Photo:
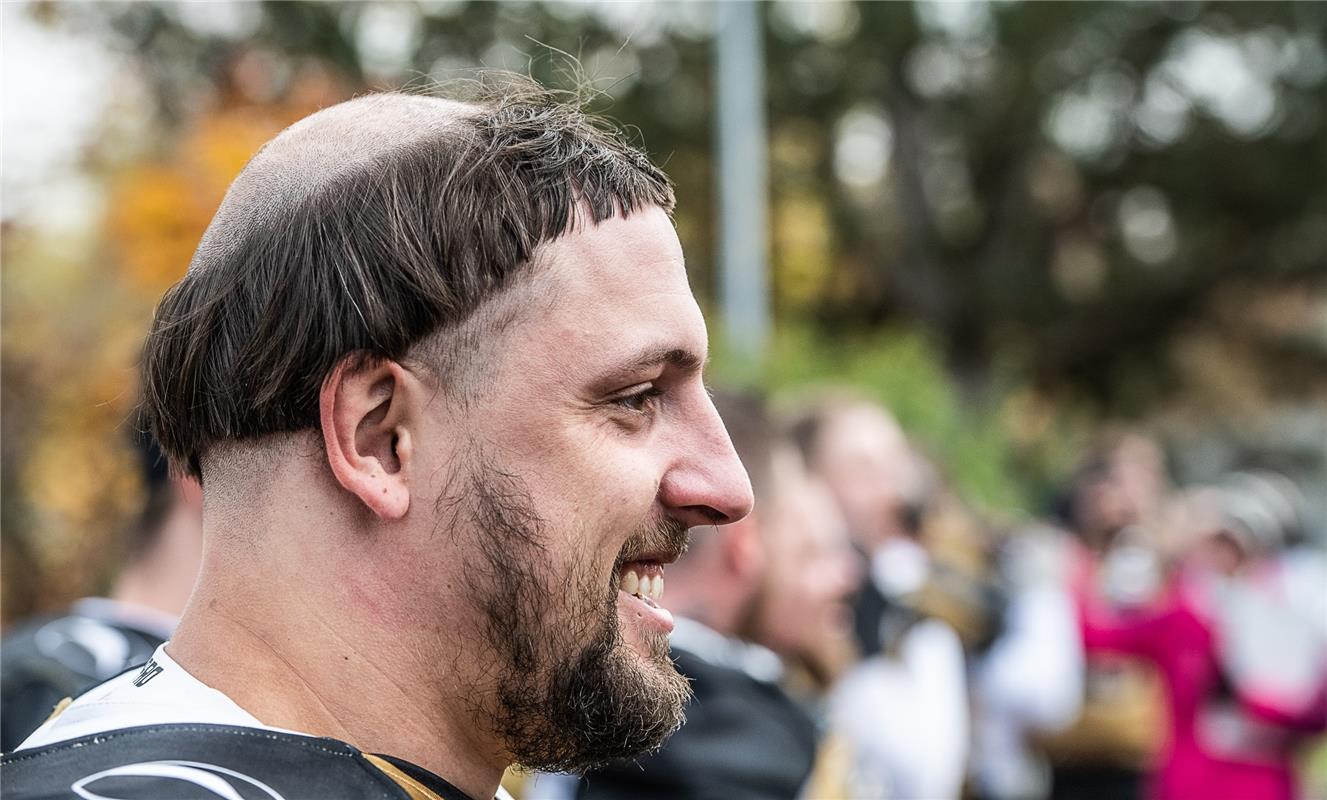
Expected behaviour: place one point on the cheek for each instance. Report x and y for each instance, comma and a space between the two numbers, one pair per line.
807, 594
602, 479
575, 592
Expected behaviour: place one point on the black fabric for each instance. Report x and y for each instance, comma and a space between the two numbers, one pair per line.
744, 739
51, 658
868, 612
881, 622
1096, 783
255, 764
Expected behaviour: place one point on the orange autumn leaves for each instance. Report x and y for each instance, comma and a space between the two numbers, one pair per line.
159, 210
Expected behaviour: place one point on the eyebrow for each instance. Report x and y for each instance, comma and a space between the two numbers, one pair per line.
678, 357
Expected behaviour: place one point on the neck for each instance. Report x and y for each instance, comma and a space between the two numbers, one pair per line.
318, 664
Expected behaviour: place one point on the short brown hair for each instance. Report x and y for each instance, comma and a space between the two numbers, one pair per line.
344, 235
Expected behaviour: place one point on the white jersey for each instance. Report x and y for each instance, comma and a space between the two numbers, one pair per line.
160, 692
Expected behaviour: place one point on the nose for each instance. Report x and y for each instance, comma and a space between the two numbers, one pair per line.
706, 483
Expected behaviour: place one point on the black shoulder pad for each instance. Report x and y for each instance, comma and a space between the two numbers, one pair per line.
194, 762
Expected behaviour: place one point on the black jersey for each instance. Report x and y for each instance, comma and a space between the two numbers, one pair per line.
194, 761
50, 658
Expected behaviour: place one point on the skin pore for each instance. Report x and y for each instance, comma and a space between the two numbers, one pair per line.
351, 576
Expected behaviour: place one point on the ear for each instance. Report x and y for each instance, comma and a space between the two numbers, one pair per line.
367, 411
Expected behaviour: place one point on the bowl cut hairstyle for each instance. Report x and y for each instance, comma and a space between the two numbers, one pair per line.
365, 229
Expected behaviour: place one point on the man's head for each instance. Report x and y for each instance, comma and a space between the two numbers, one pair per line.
378, 227
879, 481
455, 344
1120, 482
1244, 519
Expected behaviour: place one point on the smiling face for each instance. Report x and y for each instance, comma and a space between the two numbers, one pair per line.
585, 455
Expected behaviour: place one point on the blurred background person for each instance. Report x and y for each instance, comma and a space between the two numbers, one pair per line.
1272, 620
882, 488
50, 658
903, 710
1029, 683
1214, 747
1110, 507
803, 611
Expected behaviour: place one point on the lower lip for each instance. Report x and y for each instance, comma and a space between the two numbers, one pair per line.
654, 618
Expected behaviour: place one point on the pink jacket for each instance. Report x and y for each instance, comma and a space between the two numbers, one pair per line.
1216, 747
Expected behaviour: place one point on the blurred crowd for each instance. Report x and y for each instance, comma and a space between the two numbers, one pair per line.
865, 633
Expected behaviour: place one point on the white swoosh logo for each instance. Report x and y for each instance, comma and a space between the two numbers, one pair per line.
205, 776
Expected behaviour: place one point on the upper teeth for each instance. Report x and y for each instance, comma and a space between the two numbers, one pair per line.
642, 585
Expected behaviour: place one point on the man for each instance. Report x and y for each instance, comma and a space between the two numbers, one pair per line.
439, 370
744, 737
1029, 683
50, 658
904, 709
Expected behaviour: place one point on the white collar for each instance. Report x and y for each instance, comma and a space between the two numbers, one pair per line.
899, 566
726, 651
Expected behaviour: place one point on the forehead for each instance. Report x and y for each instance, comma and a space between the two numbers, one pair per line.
862, 433
616, 288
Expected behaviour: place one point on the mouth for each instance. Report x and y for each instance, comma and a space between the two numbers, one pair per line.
640, 588
644, 580
638, 576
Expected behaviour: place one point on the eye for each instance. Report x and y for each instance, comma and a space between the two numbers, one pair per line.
640, 401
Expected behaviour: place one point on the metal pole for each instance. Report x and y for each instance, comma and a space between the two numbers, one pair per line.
742, 178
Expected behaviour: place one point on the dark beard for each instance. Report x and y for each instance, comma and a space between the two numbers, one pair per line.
571, 695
